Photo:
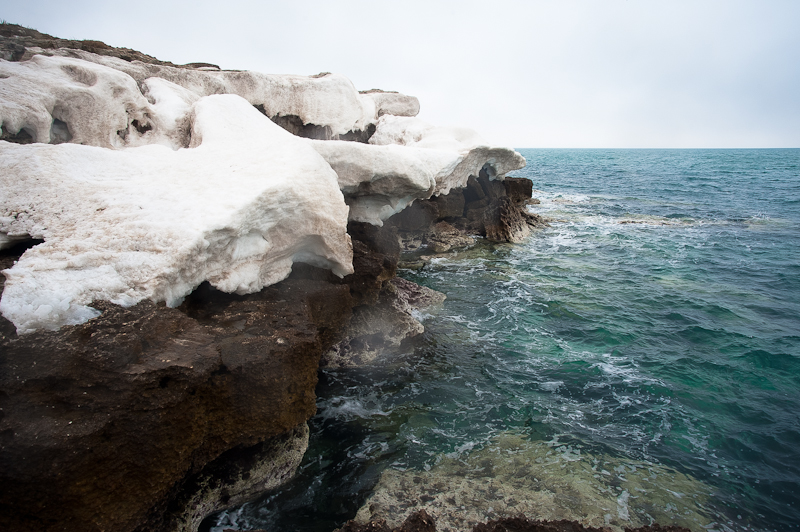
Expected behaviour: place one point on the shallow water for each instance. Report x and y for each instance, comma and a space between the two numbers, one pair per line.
656, 321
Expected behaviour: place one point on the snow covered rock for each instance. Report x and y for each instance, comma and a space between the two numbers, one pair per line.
236, 209
392, 103
407, 159
325, 100
57, 99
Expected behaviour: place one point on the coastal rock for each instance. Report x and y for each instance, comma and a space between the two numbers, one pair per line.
476, 157
553, 481
110, 425
484, 207
422, 522
379, 181
150, 223
504, 222
237, 476
325, 105
380, 328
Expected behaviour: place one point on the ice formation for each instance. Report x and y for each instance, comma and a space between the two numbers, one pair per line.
145, 180
327, 100
236, 209
407, 159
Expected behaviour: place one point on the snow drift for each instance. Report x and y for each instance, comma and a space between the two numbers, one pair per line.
144, 180
236, 209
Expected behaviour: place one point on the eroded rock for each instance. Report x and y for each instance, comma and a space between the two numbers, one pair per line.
107, 425
380, 328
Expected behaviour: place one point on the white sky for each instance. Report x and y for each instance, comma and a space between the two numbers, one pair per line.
566, 73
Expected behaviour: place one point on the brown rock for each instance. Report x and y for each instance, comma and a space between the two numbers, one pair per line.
418, 521
416, 217
105, 424
504, 222
14, 39
493, 189
450, 205
376, 252
473, 191
382, 327
445, 237
518, 189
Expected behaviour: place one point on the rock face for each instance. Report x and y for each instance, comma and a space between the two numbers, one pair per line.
382, 327
106, 424
485, 207
407, 160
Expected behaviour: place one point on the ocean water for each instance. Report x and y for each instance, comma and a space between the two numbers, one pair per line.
639, 359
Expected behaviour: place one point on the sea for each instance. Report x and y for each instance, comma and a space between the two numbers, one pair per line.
639, 359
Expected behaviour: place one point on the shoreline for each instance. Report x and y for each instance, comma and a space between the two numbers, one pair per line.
151, 417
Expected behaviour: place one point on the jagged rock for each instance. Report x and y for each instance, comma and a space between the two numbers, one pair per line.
238, 475
378, 329
14, 39
108, 425
375, 255
503, 221
418, 521
518, 189
150, 223
421, 521
450, 205
417, 218
380, 181
445, 237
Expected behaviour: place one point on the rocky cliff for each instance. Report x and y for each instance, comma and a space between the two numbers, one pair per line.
182, 246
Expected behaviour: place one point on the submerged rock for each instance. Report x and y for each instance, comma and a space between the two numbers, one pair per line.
549, 480
422, 522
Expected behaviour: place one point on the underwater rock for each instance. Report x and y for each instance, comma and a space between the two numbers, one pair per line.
513, 476
421, 521
418, 521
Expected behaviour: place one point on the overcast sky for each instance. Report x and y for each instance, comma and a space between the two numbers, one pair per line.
589, 73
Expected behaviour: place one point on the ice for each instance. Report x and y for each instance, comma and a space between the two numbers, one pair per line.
407, 159
236, 209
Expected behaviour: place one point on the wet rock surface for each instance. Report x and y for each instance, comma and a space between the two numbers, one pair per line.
381, 328
421, 521
549, 480
495, 210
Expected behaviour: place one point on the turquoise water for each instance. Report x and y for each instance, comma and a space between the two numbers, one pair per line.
657, 319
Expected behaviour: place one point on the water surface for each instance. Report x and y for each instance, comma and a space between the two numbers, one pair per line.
657, 321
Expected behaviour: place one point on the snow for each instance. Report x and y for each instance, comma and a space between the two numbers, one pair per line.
325, 100
408, 159
237, 208
146, 180
95, 102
